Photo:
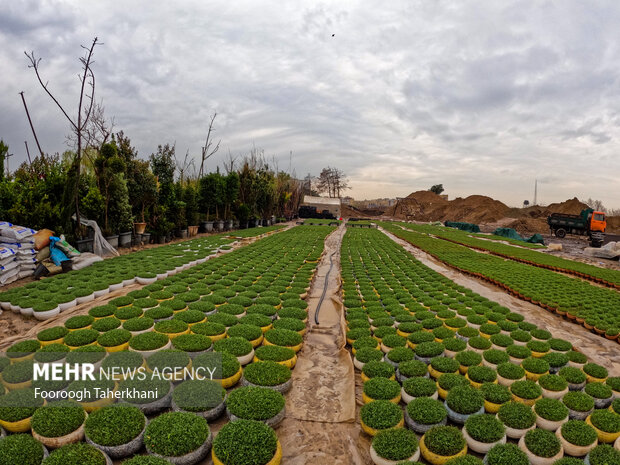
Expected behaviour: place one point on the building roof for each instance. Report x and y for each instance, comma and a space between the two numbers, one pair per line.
321, 200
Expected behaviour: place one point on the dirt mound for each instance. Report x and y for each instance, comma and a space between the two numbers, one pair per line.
426, 197
613, 224
529, 226
571, 207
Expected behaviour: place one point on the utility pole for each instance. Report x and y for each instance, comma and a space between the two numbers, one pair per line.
535, 192
28, 152
31, 126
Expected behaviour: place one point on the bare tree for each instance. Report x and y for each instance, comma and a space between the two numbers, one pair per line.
333, 181
596, 205
84, 110
184, 167
207, 150
229, 164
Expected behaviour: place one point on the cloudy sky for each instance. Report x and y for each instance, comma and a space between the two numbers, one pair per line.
482, 96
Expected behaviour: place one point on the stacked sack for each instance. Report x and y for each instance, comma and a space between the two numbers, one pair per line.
18, 256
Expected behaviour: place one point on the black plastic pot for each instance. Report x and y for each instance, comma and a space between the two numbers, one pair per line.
112, 240
84, 245
124, 239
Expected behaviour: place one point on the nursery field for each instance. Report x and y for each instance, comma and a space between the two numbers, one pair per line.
594, 307
452, 377
444, 374
243, 309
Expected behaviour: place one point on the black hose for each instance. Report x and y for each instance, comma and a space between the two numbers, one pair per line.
318, 307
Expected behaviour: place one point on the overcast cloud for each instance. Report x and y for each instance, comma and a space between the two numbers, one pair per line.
482, 96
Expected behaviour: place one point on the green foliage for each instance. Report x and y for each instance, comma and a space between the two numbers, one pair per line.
148, 341
606, 421
255, 403
79, 453
176, 433
578, 433
246, 442
526, 389
484, 428
381, 414
516, 415
20, 449
58, 419
506, 454
465, 400
395, 444
114, 425
542, 443
444, 440
551, 409
578, 401
198, 395
419, 387
381, 388
266, 373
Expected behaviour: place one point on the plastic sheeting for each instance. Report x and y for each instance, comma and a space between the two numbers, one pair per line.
470, 227
610, 250
512, 234
101, 247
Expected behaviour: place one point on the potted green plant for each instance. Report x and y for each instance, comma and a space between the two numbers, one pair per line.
267, 374
442, 443
601, 393
483, 431
575, 378
411, 369
393, 446
381, 389
256, 403
557, 361
479, 375
115, 340
149, 343
237, 346
117, 430
182, 438
80, 452
139, 325
426, 351
577, 438
518, 418
58, 424
518, 353
603, 454
606, 425
466, 359
21, 449
448, 381
508, 373
375, 369
53, 335
553, 386
287, 357
493, 357
424, 413
614, 383
542, 447
380, 415
576, 359
579, 404
148, 403
506, 454
535, 367
462, 401
495, 395
595, 373
526, 392
415, 387
550, 414
246, 441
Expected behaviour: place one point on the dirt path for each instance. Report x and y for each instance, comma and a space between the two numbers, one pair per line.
597, 348
320, 426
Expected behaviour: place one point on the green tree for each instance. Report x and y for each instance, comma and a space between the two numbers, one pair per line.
231, 192
437, 189
109, 170
4, 151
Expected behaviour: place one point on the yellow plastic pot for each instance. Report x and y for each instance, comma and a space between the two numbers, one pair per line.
592, 379
290, 363
368, 399
55, 341
539, 354
373, 432
296, 348
99, 403
437, 459
231, 380
217, 337
256, 342
602, 435
529, 402
20, 426
277, 458
491, 407
264, 329
118, 348
366, 378
22, 359
17, 386
173, 335
534, 376
442, 392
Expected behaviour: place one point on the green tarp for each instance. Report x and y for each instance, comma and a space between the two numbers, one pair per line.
512, 234
470, 227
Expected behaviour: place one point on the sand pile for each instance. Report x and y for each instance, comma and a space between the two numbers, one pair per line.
529, 226
570, 207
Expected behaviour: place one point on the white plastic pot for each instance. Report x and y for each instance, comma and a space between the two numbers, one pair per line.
86, 298
572, 449
481, 447
536, 460
553, 394
47, 314
381, 461
549, 425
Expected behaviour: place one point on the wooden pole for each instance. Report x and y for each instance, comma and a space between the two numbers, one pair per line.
31, 126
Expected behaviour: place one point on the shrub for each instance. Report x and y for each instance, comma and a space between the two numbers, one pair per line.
171, 326
598, 390
413, 368
266, 373
198, 395
102, 311
378, 369
613, 382
79, 321
495, 393
426, 411
495, 356
419, 387
542, 443
445, 364
255, 403
606, 421
572, 375
399, 355
248, 332
526, 389
81, 337
538, 346
615, 405
516, 415
126, 313
79, 453
148, 341
510, 371
381, 389
556, 359
52, 334
454, 345
283, 337
57, 419
604, 454
106, 324
429, 349
381, 414
484, 428
292, 324
114, 337
520, 352
520, 335
158, 313
560, 345
20, 449
138, 324
577, 357
468, 358
449, 380
298, 313
189, 316
541, 334
578, 401
578, 433
245, 442
551, 409
552, 383
236, 346
595, 370
191, 342
114, 425
444, 440
481, 374
395, 444
501, 340
506, 454
535, 365
465, 400
419, 337
276, 353
176, 433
